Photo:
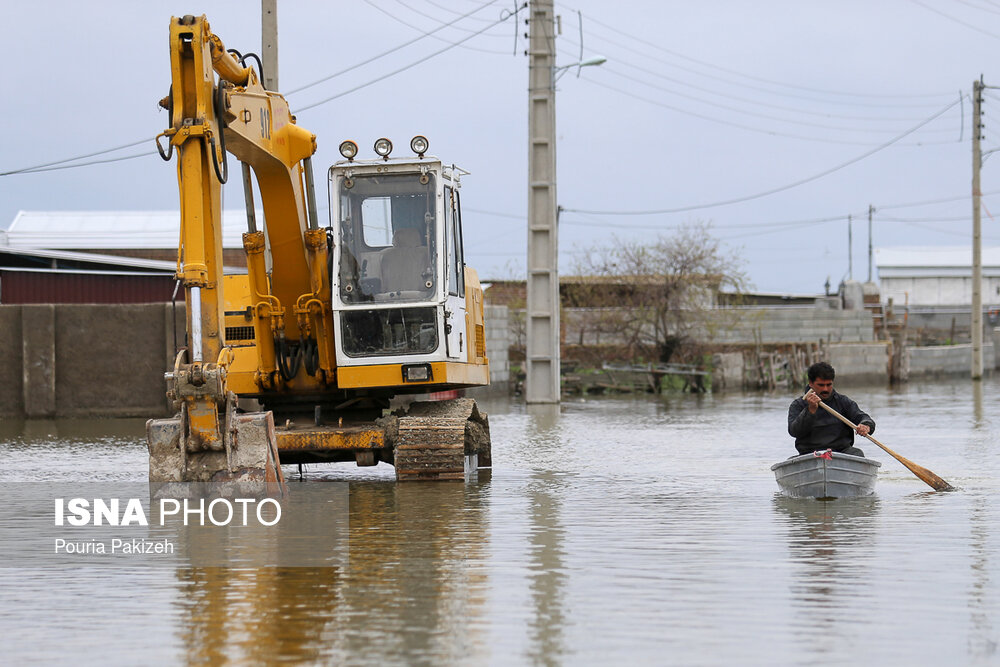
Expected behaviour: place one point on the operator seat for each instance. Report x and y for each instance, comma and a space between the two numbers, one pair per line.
404, 262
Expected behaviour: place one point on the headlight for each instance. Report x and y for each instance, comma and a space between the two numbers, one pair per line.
348, 149
419, 145
417, 373
383, 147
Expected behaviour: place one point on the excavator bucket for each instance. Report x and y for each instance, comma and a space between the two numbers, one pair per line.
249, 454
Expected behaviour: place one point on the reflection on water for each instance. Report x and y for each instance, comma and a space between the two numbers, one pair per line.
547, 558
408, 580
412, 555
977, 403
635, 530
246, 616
984, 639
830, 544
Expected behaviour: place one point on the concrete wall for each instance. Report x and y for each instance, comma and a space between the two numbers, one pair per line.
996, 347
947, 359
498, 346
84, 360
102, 360
860, 363
806, 324
940, 323
11, 362
727, 371
855, 363
777, 324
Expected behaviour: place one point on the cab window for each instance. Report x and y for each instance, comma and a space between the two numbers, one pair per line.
453, 230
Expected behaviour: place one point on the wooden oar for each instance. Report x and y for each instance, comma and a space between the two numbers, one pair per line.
926, 475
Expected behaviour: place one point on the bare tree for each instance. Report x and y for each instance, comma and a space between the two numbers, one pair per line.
653, 297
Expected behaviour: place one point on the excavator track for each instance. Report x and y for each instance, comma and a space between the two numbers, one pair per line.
442, 440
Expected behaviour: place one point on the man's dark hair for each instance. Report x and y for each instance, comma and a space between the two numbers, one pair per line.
821, 370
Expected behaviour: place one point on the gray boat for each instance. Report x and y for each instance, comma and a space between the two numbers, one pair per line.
826, 475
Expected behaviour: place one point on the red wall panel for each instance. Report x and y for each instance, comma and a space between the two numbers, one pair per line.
20, 287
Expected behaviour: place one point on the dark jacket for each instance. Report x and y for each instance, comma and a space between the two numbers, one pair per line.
815, 432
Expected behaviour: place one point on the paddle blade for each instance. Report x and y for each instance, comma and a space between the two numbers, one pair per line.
927, 476
924, 474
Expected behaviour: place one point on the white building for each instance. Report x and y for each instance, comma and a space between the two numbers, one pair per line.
936, 276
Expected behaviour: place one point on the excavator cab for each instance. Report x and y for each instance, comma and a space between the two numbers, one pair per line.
399, 283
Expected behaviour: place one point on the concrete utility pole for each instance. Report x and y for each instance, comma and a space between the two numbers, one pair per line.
871, 210
977, 243
542, 353
850, 247
269, 43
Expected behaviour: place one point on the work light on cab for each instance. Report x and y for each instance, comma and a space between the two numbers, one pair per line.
383, 147
348, 149
419, 145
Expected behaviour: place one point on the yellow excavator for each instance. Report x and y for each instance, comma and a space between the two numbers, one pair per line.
300, 359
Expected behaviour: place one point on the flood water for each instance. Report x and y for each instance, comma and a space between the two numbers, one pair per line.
638, 530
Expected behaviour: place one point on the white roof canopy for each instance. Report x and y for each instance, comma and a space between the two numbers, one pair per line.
95, 230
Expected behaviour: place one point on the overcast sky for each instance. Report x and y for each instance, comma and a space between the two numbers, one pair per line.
699, 103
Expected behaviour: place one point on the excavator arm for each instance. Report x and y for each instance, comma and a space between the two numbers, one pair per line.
289, 310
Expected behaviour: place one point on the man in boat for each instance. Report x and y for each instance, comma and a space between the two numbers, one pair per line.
815, 429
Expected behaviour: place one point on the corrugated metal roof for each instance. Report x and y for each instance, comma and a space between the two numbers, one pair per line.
110, 229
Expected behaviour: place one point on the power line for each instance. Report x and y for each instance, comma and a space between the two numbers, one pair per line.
755, 88
950, 232
889, 218
495, 213
789, 186
758, 225
975, 6
703, 63
54, 166
830, 218
748, 112
959, 21
773, 133
93, 162
408, 6
448, 9
425, 15
392, 50
727, 95
928, 202
42, 167
405, 67
783, 229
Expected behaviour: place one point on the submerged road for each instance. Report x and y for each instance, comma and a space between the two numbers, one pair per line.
643, 530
